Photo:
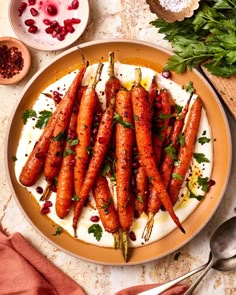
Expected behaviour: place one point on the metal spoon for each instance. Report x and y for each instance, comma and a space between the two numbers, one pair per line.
223, 246
225, 234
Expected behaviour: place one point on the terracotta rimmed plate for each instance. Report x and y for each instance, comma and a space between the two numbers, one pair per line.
40, 39
11, 42
137, 53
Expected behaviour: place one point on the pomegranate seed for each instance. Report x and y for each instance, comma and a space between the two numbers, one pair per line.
45, 210
40, 155
68, 22
21, 8
69, 7
47, 204
60, 37
54, 188
76, 20
64, 31
70, 29
58, 29
54, 34
74, 4
33, 11
39, 189
49, 30
33, 29
132, 236
29, 22
94, 218
51, 9
72, 162
166, 74
32, 2
54, 23
47, 22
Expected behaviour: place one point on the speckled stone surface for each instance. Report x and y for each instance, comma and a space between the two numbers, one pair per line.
113, 19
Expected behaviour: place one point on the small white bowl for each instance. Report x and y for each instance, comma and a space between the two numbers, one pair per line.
40, 39
14, 45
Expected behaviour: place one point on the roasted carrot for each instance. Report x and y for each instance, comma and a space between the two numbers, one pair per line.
106, 208
185, 152
65, 185
36, 159
141, 191
124, 146
99, 150
170, 152
84, 125
161, 119
98, 155
112, 85
143, 133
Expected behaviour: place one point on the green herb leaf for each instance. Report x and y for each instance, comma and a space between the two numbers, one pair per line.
140, 199
200, 158
192, 195
14, 158
202, 140
96, 230
177, 176
119, 119
27, 115
68, 151
58, 231
208, 38
73, 141
203, 182
181, 139
44, 117
75, 198
171, 151
60, 136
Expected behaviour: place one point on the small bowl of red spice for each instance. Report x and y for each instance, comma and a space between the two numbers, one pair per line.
48, 24
15, 60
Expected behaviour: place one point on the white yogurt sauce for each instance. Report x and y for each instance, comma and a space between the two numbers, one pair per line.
163, 224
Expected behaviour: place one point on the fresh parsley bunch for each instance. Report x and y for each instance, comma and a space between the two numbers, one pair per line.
208, 38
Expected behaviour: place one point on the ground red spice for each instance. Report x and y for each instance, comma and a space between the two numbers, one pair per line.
11, 61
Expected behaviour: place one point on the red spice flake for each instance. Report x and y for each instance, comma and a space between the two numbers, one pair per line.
11, 61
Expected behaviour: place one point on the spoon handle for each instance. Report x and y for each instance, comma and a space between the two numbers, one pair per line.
198, 280
166, 286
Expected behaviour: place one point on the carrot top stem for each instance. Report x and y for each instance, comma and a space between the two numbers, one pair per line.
97, 76
138, 77
111, 72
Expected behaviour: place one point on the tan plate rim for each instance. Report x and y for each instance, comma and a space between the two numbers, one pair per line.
26, 56
109, 256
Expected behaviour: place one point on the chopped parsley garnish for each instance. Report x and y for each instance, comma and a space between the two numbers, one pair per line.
96, 230
43, 118
73, 141
68, 151
27, 115
202, 140
177, 176
171, 151
60, 136
58, 231
119, 119
200, 158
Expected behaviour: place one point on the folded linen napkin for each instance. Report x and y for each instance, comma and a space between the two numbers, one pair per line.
24, 270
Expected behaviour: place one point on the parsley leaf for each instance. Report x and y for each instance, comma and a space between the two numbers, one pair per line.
28, 114
208, 38
58, 231
96, 230
43, 119
200, 158
202, 140
119, 119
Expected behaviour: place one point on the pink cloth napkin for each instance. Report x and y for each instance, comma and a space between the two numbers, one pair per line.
23, 270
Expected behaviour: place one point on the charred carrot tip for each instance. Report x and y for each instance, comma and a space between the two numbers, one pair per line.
182, 229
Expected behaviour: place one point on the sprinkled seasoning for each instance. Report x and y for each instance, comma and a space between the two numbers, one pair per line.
11, 61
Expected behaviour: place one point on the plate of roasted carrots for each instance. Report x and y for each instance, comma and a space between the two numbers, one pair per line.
112, 158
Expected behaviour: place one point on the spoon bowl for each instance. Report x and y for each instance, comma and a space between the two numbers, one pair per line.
222, 257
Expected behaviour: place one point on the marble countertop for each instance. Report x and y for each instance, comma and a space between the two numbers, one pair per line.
113, 19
